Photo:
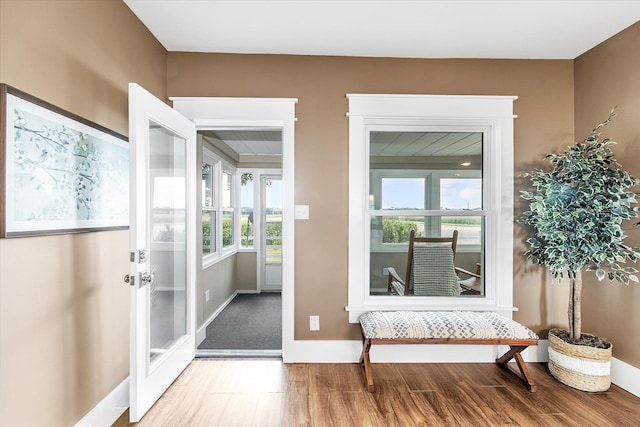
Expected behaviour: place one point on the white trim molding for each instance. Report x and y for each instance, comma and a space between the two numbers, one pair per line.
268, 113
201, 333
109, 409
349, 352
491, 115
625, 376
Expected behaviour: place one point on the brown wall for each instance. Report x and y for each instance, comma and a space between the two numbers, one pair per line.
64, 309
220, 280
545, 122
247, 271
607, 76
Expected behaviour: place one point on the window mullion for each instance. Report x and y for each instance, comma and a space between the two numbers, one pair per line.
427, 212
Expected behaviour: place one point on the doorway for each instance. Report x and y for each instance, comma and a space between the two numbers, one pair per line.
269, 113
243, 303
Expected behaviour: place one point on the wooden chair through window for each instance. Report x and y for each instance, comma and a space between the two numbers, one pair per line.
430, 268
472, 285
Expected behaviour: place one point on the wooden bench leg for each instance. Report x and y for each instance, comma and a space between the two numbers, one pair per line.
514, 352
365, 362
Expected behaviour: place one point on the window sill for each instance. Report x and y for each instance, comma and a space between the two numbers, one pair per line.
211, 260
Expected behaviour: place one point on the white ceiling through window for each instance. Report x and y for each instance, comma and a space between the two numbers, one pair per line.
432, 144
251, 142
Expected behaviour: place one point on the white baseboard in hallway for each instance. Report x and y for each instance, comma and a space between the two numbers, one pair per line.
201, 333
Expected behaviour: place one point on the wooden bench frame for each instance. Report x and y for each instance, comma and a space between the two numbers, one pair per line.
516, 346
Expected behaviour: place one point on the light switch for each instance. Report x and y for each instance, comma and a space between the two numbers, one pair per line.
301, 212
314, 323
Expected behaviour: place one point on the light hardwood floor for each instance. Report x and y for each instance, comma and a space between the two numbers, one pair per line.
266, 392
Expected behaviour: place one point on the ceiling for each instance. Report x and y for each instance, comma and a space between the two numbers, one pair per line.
536, 29
524, 29
425, 144
419, 150
250, 142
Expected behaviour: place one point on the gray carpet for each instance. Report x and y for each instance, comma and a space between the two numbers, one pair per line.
249, 322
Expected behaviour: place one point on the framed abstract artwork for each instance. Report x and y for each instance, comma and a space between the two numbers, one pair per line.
59, 173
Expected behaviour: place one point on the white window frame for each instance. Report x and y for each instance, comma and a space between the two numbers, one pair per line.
231, 171
256, 203
209, 158
219, 166
432, 179
491, 115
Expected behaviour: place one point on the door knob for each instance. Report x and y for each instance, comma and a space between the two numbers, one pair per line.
131, 280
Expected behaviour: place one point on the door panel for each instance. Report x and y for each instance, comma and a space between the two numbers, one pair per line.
162, 153
272, 233
167, 172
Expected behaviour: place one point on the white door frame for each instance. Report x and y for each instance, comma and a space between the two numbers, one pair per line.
276, 113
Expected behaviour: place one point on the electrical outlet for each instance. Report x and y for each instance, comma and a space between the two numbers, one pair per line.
301, 212
314, 323
206, 296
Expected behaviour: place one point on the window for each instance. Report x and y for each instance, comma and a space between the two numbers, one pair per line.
462, 194
431, 202
273, 219
432, 164
429, 183
227, 210
247, 226
168, 209
208, 209
218, 207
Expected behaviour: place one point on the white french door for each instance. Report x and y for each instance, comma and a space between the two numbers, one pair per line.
162, 229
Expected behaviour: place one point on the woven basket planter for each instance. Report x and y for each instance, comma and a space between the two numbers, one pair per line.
579, 366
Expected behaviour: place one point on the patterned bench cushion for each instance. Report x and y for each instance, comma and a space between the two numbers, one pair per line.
441, 324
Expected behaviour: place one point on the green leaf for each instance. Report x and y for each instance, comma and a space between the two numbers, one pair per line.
600, 274
534, 242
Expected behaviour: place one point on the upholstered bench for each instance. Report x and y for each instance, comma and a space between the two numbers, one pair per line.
446, 327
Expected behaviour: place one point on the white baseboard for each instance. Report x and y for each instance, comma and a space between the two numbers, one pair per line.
306, 351
107, 412
201, 333
625, 376
451, 353
349, 352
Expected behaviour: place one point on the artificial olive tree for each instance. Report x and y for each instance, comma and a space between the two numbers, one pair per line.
576, 211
